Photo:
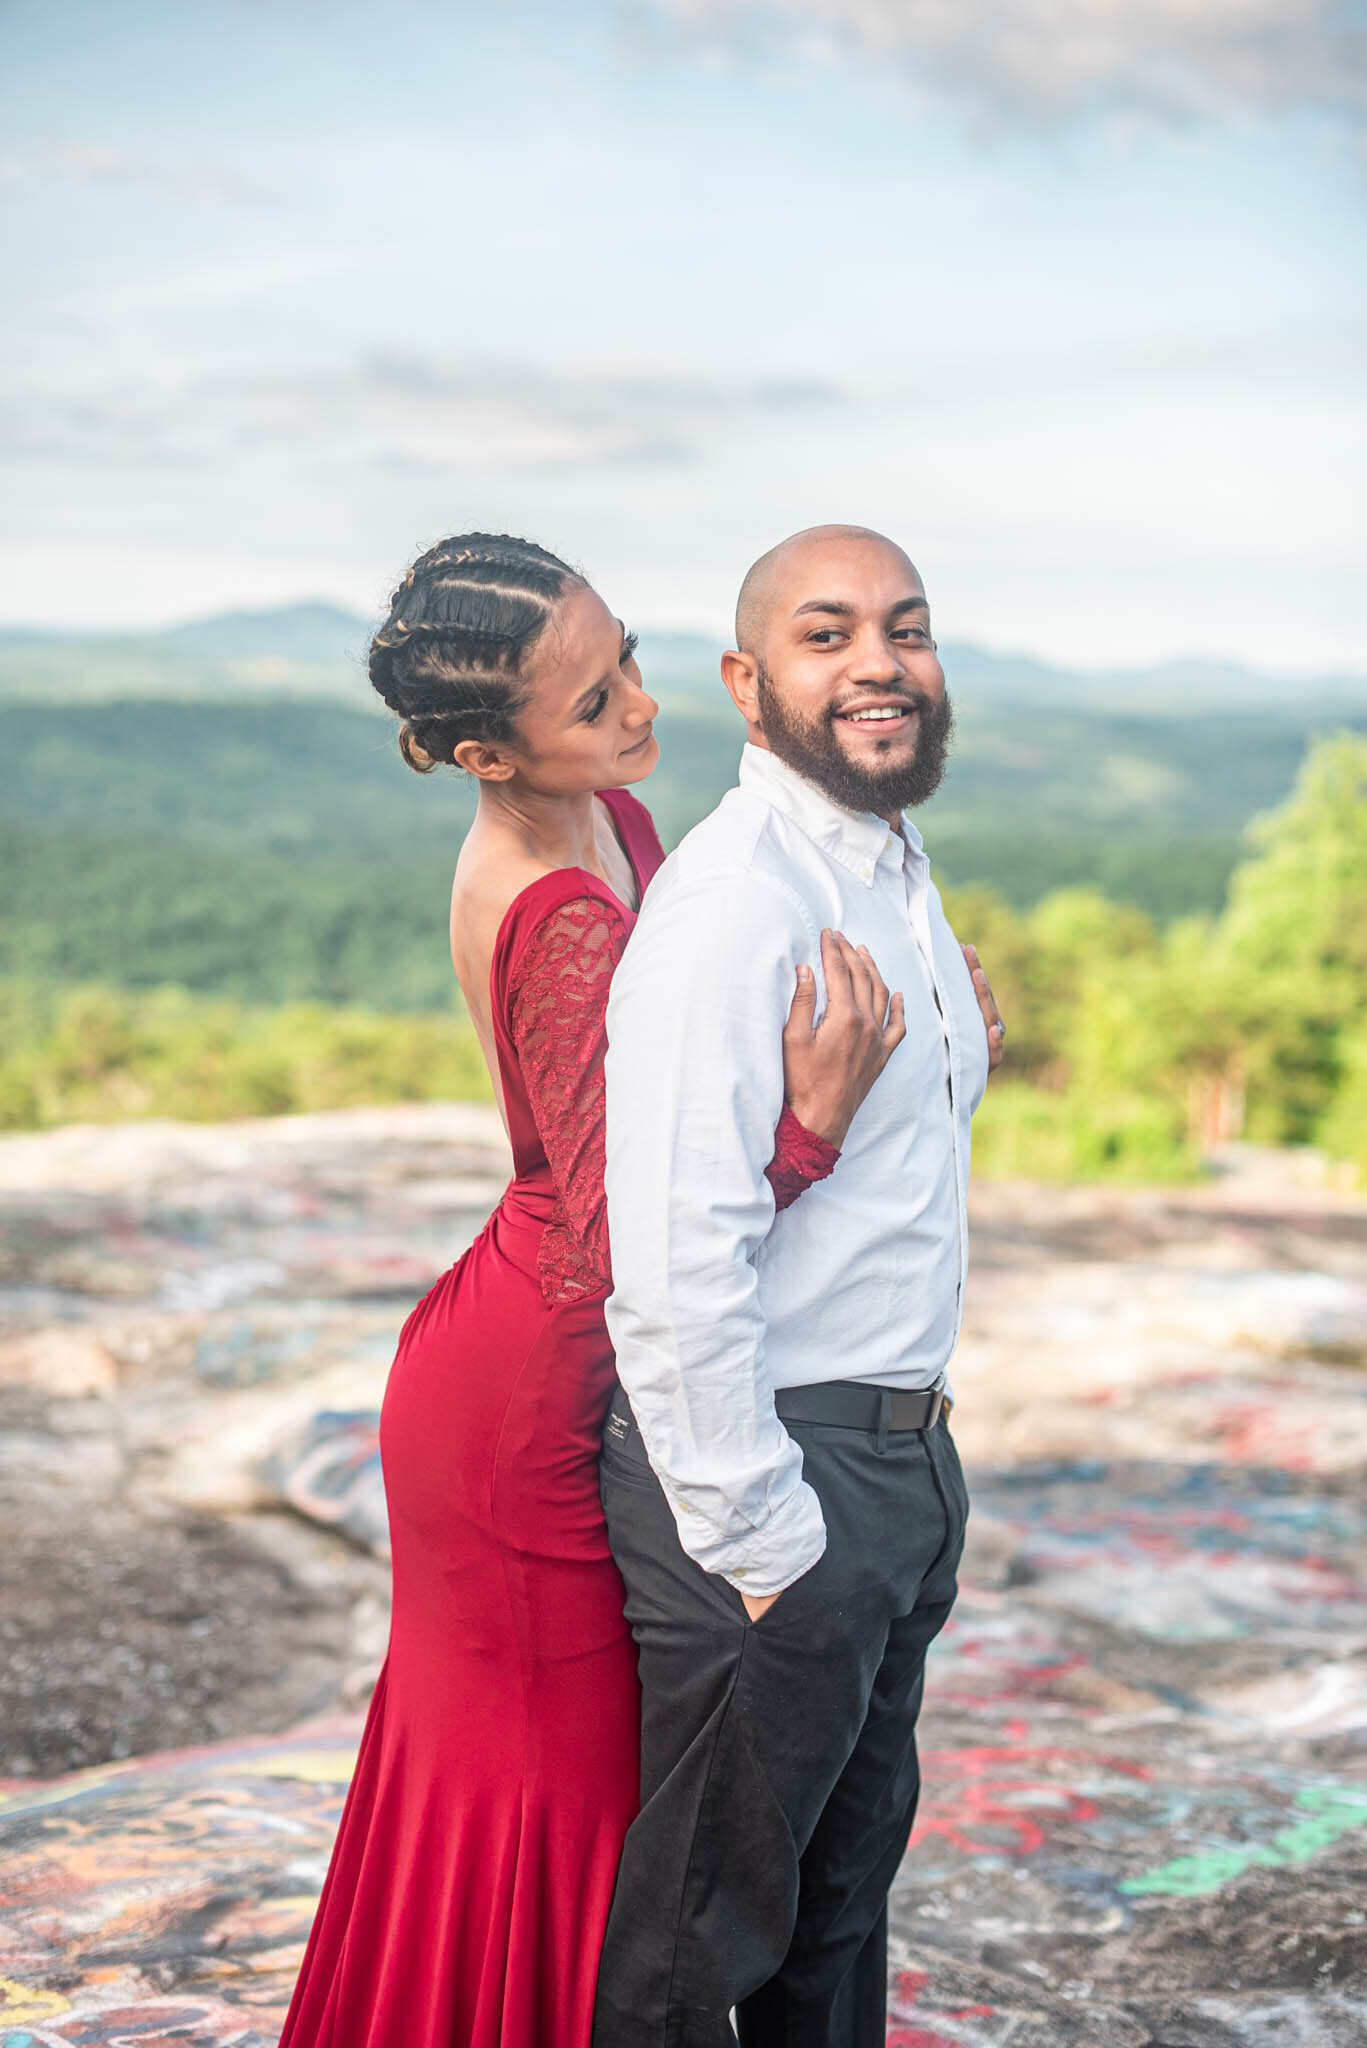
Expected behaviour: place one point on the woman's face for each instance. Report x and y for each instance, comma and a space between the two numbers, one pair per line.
586, 722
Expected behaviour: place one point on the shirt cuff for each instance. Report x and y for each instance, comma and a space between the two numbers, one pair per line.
765, 1560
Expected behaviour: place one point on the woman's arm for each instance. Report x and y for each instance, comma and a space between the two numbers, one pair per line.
557, 1014
828, 1068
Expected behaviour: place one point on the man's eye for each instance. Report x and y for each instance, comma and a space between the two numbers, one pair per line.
597, 708
823, 636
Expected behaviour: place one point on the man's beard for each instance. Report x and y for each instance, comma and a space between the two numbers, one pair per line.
813, 750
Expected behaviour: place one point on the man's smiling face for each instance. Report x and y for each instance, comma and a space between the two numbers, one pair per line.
838, 673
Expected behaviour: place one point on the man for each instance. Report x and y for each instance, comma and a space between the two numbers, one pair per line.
782, 1493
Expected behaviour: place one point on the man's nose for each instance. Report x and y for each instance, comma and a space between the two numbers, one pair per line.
876, 660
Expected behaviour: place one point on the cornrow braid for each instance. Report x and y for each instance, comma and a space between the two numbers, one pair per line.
449, 657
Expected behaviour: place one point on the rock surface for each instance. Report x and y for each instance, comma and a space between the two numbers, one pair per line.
1145, 1815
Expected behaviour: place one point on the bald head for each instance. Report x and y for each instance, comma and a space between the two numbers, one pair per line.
793, 565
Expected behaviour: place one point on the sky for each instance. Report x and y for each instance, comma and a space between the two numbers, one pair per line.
1068, 296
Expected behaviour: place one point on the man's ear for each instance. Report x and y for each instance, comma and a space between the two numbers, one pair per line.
739, 673
490, 764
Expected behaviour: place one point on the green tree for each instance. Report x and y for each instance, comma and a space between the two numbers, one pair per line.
1293, 942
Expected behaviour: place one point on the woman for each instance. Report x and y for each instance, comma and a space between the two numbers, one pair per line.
497, 1775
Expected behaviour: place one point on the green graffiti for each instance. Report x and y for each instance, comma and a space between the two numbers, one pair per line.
1330, 1810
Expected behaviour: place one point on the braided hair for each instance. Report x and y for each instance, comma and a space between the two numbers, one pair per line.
448, 658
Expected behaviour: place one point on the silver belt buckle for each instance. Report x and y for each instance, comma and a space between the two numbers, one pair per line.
936, 1405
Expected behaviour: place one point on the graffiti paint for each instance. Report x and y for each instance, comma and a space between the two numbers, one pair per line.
330, 1472
170, 1898
156, 2023
1332, 1812
25, 2002
1001, 1799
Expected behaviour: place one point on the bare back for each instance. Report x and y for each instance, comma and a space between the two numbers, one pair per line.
493, 869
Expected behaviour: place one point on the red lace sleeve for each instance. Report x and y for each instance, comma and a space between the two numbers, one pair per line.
558, 1000
800, 1157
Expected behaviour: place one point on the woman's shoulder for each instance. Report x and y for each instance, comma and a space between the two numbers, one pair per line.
558, 912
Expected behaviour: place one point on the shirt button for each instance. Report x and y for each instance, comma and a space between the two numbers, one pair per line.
738, 1572
684, 1508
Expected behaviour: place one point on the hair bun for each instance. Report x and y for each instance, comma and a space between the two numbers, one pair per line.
413, 751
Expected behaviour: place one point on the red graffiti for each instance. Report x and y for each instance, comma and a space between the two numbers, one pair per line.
992, 1812
1256, 1432
906, 1995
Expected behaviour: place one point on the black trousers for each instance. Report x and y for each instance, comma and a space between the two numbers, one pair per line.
779, 1774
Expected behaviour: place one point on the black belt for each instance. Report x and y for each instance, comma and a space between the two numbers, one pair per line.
849, 1404
842, 1404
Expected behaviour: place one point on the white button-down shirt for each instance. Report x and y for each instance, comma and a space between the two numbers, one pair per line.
716, 1301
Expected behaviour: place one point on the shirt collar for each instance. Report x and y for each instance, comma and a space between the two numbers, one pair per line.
857, 839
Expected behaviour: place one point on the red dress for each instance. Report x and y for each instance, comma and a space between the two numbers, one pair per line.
498, 1772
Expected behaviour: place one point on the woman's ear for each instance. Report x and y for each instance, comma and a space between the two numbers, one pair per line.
489, 764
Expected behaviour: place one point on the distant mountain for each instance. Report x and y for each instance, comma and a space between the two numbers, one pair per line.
296, 651
317, 649
314, 632
1170, 689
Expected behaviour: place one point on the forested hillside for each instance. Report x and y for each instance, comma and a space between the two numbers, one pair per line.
1131, 1048
224, 806
223, 884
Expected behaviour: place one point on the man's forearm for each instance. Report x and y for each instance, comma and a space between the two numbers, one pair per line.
705, 1409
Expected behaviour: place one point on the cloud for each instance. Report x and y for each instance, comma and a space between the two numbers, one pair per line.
393, 411
1037, 59
227, 279
205, 185
399, 411
401, 414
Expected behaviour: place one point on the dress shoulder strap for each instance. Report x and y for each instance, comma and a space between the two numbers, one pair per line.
636, 830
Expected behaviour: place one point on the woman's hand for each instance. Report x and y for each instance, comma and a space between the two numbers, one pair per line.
829, 1068
987, 1003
